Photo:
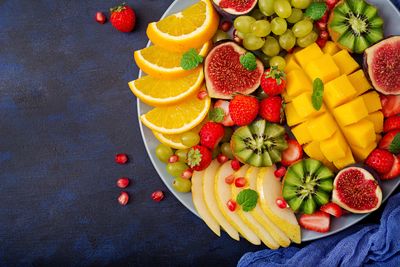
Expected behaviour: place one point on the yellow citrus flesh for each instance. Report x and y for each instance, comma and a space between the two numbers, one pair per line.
187, 29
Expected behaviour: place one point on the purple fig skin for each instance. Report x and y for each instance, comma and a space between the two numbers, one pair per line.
231, 16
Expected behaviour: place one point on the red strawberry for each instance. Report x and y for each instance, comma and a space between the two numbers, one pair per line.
380, 160
395, 170
390, 105
273, 81
224, 105
391, 123
332, 209
211, 134
387, 139
271, 109
318, 221
292, 153
243, 109
123, 18
199, 157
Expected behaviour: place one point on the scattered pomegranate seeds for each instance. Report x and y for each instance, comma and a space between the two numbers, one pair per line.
240, 182
202, 94
231, 204
229, 179
222, 158
281, 203
121, 158
226, 26
321, 42
100, 17
187, 174
279, 173
157, 196
235, 164
123, 198
321, 25
173, 159
123, 182
324, 35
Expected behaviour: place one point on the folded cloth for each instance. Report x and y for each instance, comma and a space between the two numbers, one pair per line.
361, 245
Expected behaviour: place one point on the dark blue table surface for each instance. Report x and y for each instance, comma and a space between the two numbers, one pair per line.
65, 110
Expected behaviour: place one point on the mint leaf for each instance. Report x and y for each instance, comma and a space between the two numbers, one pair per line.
191, 59
248, 61
318, 93
316, 11
394, 146
216, 114
247, 199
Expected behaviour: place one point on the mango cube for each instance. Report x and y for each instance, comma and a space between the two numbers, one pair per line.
330, 48
360, 134
359, 82
351, 112
360, 154
323, 67
345, 161
335, 147
306, 55
301, 133
322, 127
338, 91
377, 119
345, 62
372, 101
303, 106
292, 118
313, 150
297, 83
291, 63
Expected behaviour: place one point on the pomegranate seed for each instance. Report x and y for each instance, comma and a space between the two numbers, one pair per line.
229, 179
321, 42
121, 158
222, 158
235, 164
324, 17
226, 26
100, 17
123, 182
123, 198
279, 173
173, 159
331, 3
187, 174
202, 94
281, 203
324, 35
321, 25
240, 182
231, 204
157, 196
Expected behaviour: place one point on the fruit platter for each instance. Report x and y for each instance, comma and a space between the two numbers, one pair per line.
276, 121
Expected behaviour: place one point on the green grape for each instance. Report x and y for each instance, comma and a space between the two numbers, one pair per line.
228, 131
297, 15
240, 34
176, 168
302, 28
287, 40
226, 150
163, 152
308, 39
243, 23
182, 185
282, 8
302, 4
182, 154
271, 47
190, 139
220, 35
256, 13
261, 28
252, 42
278, 26
278, 61
266, 7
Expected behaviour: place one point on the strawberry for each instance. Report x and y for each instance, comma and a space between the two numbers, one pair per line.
292, 153
387, 139
123, 18
199, 157
380, 160
332, 209
318, 221
243, 109
273, 81
394, 171
211, 134
391, 123
271, 109
390, 105
224, 105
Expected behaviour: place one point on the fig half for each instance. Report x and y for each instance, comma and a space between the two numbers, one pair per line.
233, 8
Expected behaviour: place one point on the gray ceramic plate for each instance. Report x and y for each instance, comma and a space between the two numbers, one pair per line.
391, 17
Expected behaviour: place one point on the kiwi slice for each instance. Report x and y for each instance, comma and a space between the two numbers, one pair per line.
307, 185
355, 25
259, 144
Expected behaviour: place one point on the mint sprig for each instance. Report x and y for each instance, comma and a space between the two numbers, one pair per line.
247, 199
248, 61
316, 11
216, 115
394, 146
191, 59
318, 93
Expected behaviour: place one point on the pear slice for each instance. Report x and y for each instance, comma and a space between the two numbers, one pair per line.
210, 200
247, 216
258, 214
269, 189
200, 205
223, 194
